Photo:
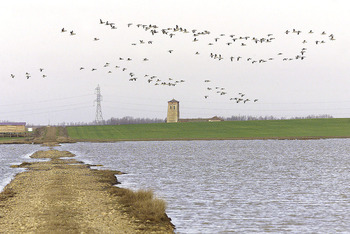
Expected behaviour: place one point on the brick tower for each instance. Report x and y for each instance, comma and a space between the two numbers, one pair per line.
173, 111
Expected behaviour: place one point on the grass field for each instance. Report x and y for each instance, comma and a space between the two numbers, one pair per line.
10, 138
306, 128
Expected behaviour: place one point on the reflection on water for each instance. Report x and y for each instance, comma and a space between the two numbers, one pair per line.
242, 186
228, 186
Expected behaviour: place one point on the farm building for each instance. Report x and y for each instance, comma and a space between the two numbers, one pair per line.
213, 119
12, 128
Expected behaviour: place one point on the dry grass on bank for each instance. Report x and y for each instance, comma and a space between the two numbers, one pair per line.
142, 204
7, 193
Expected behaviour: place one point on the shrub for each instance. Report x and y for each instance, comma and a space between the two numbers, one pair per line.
143, 205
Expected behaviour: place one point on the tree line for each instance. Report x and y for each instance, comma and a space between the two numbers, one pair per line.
132, 120
270, 117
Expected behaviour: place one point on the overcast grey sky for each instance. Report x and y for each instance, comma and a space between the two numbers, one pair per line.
31, 39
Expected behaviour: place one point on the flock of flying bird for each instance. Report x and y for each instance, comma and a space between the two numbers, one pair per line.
229, 40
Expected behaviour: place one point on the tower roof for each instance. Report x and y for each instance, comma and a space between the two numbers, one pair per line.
173, 100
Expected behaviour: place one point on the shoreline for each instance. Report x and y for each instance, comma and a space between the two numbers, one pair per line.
217, 139
66, 195
24, 141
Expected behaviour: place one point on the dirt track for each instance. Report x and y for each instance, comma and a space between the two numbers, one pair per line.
66, 196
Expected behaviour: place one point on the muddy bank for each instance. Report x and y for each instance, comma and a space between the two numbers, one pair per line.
63, 195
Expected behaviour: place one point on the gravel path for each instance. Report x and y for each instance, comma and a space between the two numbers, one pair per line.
65, 196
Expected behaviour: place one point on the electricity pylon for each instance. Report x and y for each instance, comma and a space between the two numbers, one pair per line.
98, 118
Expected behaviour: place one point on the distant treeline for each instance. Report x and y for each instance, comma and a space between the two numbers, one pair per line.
116, 121
249, 117
132, 120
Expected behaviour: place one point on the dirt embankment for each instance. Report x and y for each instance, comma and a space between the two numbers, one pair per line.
49, 135
67, 196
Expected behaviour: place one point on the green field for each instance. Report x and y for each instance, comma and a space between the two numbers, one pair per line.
10, 138
261, 129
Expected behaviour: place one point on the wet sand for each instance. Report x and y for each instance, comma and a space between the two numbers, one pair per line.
63, 195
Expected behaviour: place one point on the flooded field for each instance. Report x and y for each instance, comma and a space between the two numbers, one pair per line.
237, 186
228, 186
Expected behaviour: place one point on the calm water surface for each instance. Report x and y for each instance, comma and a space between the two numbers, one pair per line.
237, 186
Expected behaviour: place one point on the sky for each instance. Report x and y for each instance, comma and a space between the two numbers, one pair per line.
213, 53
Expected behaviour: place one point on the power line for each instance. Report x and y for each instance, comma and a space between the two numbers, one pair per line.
226, 102
47, 100
48, 111
22, 111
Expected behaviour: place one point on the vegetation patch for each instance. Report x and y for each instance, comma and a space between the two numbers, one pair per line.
22, 165
10, 138
142, 205
255, 129
6, 194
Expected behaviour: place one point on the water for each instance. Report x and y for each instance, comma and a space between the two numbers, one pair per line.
231, 186
14, 155
238, 186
